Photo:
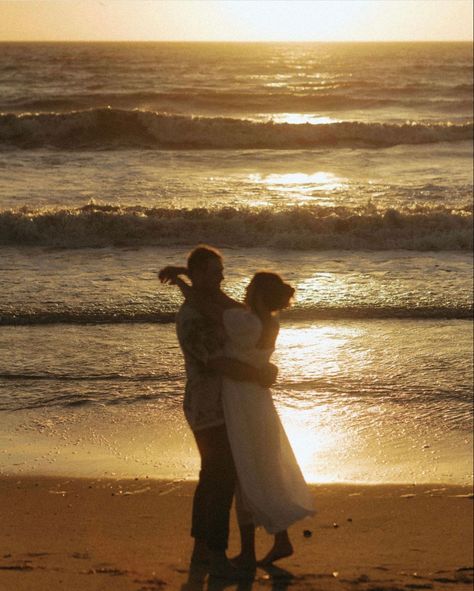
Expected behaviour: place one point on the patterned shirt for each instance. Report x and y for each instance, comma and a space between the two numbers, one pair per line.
200, 340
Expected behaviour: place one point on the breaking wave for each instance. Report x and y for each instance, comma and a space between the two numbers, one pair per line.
115, 128
311, 227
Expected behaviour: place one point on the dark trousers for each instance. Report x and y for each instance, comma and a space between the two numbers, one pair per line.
215, 489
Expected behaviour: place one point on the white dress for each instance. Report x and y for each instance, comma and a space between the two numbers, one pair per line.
272, 487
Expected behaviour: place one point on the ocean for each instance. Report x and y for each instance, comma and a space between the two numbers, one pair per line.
345, 167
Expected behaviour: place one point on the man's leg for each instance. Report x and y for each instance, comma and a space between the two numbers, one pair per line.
199, 516
221, 490
200, 505
247, 557
213, 496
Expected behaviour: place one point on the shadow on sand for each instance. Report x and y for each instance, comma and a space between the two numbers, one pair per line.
275, 579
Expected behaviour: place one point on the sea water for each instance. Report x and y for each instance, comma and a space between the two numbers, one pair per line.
347, 168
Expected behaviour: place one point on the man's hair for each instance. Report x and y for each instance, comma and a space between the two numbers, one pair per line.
199, 258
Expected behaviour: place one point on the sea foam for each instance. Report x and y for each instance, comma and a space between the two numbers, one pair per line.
312, 227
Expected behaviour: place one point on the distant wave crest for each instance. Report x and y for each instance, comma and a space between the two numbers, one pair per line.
311, 227
114, 128
342, 96
120, 316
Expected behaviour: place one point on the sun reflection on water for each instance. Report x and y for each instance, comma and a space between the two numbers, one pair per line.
311, 359
310, 442
304, 186
332, 286
302, 118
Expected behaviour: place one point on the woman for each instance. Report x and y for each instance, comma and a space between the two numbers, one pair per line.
272, 491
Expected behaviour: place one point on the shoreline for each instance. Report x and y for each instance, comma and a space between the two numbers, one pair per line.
132, 535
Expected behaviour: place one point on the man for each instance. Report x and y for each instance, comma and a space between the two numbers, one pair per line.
202, 341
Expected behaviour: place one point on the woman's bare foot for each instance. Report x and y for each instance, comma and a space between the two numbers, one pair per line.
281, 549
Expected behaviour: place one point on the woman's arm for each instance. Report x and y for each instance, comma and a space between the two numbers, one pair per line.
213, 309
184, 288
243, 372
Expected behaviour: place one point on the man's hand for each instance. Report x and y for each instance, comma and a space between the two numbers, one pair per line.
168, 275
268, 375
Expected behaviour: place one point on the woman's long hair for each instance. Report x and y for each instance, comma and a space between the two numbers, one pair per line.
275, 293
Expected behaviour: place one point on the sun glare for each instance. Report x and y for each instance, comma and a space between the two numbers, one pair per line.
235, 20
309, 441
305, 186
317, 429
302, 118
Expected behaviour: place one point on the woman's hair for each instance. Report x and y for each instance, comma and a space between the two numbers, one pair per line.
276, 294
199, 258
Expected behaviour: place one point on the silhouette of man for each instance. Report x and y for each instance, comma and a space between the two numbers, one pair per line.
201, 340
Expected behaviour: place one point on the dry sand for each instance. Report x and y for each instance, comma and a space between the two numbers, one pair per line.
84, 535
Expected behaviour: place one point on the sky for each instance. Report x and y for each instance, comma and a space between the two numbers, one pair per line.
236, 20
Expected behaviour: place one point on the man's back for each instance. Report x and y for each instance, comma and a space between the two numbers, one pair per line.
200, 340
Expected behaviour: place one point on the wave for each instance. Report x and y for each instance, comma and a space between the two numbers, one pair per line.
342, 98
118, 316
310, 227
47, 376
193, 101
115, 128
79, 378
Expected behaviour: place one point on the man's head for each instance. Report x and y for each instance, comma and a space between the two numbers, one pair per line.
205, 268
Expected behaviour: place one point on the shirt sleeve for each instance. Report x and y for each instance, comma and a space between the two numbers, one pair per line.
200, 339
242, 327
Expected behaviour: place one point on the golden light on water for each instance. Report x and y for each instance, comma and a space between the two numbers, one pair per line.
332, 285
311, 352
302, 118
314, 356
307, 187
309, 442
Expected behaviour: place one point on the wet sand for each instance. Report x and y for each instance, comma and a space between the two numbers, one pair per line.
88, 535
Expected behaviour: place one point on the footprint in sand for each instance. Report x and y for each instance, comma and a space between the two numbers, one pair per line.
80, 555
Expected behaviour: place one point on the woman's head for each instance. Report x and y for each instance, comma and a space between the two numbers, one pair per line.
268, 291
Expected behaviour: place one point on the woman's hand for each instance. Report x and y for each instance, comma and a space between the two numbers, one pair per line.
268, 375
168, 275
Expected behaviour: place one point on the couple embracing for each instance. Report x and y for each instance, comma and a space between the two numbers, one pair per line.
244, 449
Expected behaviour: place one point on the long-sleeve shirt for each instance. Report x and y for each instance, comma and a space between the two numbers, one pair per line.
200, 340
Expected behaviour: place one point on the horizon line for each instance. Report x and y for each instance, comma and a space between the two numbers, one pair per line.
236, 41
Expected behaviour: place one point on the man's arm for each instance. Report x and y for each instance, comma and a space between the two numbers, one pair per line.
202, 341
242, 372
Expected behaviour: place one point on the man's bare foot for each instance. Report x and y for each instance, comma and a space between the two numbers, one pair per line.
244, 562
222, 568
281, 549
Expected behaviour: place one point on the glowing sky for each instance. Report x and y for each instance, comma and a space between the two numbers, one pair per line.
236, 20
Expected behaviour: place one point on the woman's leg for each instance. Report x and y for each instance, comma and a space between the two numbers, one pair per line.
282, 548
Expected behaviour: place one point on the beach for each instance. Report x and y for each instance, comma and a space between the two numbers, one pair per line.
101, 534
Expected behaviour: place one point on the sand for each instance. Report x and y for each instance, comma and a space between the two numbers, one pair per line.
84, 535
